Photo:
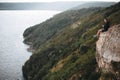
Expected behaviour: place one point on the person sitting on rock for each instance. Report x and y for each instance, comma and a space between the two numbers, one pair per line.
105, 27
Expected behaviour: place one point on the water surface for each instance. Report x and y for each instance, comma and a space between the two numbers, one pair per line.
13, 53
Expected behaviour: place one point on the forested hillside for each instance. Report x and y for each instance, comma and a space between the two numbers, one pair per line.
65, 47
40, 33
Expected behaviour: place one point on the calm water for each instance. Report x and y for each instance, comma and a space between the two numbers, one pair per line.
13, 53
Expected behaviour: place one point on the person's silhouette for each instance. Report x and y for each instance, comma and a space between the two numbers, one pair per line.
105, 27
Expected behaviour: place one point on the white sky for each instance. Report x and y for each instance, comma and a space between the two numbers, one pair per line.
53, 0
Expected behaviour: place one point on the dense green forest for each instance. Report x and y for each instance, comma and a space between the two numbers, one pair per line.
64, 45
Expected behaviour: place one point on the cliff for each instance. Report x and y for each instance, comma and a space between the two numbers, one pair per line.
39, 34
108, 51
68, 51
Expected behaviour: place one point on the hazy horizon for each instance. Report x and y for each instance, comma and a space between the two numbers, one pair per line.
59, 6
56, 0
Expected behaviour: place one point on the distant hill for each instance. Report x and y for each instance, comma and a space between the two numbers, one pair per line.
62, 6
94, 4
39, 6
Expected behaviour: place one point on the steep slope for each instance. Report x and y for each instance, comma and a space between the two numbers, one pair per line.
40, 33
70, 54
108, 52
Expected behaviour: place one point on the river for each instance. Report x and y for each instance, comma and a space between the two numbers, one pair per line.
13, 52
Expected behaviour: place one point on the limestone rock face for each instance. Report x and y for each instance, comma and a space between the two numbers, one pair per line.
108, 50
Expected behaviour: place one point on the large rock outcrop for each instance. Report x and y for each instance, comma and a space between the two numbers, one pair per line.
108, 51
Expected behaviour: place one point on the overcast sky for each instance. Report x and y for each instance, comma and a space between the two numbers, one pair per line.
53, 0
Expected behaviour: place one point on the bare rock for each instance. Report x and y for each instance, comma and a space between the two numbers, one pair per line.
108, 50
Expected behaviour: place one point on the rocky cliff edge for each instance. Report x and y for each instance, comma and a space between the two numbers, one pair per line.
108, 51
